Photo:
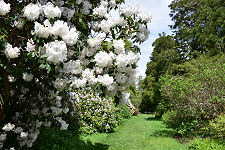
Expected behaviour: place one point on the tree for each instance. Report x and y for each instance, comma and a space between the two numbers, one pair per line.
164, 57
199, 26
48, 49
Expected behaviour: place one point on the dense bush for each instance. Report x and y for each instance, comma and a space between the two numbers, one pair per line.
217, 127
206, 144
195, 98
123, 112
95, 114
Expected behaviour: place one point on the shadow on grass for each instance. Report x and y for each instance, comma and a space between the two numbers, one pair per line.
53, 139
164, 133
152, 119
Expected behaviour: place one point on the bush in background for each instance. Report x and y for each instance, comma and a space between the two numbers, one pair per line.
123, 112
194, 98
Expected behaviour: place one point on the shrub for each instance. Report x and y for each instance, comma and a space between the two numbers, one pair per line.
95, 114
217, 127
206, 144
135, 97
195, 98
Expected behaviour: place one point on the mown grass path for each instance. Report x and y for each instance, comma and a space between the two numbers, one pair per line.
142, 132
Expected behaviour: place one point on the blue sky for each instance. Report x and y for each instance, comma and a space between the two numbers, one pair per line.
160, 21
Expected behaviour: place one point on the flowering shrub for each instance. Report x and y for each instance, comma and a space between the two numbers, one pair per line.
48, 48
94, 112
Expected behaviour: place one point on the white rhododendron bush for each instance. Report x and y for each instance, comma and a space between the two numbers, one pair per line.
49, 48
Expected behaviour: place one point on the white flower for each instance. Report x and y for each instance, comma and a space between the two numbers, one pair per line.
73, 67
27, 77
105, 25
71, 37
56, 51
60, 28
112, 3
65, 110
8, 127
4, 8
11, 78
23, 135
143, 33
119, 46
11, 52
43, 30
18, 130
60, 84
131, 10
100, 11
50, 11
64, 125
30, 45
88, 51
89, 75
2, 137
32, 11
19, 23
55, 110
103, 59
93, 42
86, 7
145, 17
125, 98
121, 78
105, 80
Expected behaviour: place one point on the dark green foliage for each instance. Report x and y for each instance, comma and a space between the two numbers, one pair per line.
122, 112
196, 97
53, 139
199, 26
164, 57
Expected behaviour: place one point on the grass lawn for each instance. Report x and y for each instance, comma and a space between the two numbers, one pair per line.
142, 132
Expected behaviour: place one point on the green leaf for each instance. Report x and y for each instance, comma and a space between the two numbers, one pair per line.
44, 56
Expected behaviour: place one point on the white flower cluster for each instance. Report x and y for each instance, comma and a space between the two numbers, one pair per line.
60, 84
86, 7
73, 67
125, 98
122, 60
143, 34
105, 80
30, 45
101, 10
56, 51
4, 8
50, 11
93, 42
104, 59
145, 16
131, 10
32, 11
59, 28
27, 77
119, 46
11, 52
